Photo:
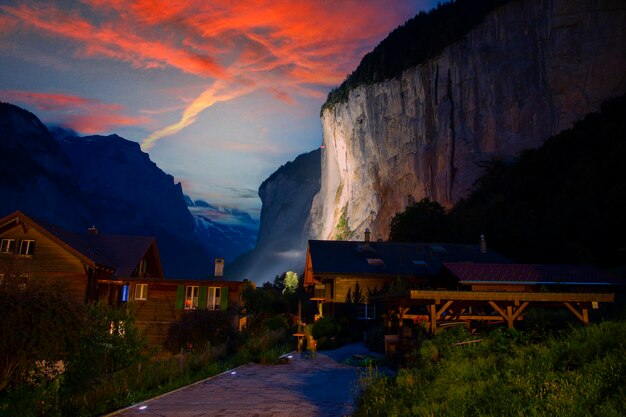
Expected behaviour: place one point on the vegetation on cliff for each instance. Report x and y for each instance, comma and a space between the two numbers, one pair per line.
562, 202
419, 39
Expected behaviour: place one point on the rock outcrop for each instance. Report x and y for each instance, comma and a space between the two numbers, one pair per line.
287, 196
527, 72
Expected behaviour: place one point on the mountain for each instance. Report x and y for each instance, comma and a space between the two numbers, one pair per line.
523, 72
286, 198
225, 232
35, 174
106, 181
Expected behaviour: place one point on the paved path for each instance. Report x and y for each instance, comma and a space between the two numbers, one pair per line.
305, 387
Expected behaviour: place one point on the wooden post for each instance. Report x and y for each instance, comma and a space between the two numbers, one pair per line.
509, 316
433, 318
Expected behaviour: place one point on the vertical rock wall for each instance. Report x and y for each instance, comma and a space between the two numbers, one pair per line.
531, 69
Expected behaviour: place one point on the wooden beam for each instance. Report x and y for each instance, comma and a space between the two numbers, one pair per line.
583, 315
519, 311
429, 296
498, 309
444, 308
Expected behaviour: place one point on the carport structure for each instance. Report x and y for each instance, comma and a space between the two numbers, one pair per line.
503, 292
467, 306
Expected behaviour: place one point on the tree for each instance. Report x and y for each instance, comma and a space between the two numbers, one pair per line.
424, 221
40, 325
290, 282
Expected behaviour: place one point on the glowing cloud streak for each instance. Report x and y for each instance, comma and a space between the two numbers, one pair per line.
220, 91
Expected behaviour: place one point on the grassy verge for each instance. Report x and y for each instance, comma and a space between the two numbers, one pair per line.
580, 371
137, 382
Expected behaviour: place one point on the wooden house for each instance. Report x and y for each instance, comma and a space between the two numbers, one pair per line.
114, 269
335, 268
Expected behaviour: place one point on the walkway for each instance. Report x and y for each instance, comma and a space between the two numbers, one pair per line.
323, 386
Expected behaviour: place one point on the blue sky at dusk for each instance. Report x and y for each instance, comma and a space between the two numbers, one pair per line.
219, 93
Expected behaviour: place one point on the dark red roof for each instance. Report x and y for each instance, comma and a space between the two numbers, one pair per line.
470, 273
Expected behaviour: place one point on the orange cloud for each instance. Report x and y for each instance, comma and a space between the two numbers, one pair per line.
82, 114
286, 47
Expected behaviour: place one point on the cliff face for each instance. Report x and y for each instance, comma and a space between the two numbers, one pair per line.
530, 70
287, 196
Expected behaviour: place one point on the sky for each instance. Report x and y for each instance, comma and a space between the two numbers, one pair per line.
219, 93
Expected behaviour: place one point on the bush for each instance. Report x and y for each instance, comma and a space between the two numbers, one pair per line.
197, 329
325, 332
40, 324
275, 323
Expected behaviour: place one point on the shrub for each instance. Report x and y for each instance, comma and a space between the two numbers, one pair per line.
40, 324
325, 332
197, 329
275, 323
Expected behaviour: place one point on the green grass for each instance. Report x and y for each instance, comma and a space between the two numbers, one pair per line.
137, 382
580, 371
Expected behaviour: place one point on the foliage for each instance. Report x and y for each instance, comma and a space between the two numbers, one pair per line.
419, 39
343, 227
290, 282
424, 221
198, 329
325, 331
275, 323
579, 372
258, 303
40, 326
109, 342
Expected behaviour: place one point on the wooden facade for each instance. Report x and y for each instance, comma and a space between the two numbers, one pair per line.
111, 269
335, 269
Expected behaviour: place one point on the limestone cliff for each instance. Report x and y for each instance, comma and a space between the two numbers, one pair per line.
528, 71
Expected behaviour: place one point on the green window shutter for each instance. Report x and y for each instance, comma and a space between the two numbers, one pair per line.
224, 299
202, 298
180, 297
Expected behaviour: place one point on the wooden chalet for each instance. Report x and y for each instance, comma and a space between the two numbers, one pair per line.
445, 284
114, 269
334, 268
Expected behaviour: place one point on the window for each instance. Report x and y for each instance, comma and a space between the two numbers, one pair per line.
27, 247
141, 291
191, 297
124, 293
213, 300
367, 311
7, 246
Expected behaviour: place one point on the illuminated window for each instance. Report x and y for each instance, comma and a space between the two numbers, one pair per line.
27, 247
141, 291
7, 246
213, 300
191, 297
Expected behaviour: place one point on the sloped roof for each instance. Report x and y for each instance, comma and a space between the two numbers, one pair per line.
530, 274
125, 252
391, 258
119, 253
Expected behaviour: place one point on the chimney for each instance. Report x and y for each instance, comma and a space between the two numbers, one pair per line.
219, 267
92, 230
367, 235
483, 244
